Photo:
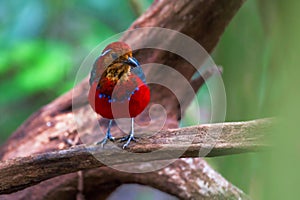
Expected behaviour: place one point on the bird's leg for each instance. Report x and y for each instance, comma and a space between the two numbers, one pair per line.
108, 136
129, 137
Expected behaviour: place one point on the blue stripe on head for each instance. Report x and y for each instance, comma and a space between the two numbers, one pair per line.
105, 52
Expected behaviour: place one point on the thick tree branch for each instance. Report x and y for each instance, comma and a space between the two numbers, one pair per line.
176, 179
236, 137
203, 21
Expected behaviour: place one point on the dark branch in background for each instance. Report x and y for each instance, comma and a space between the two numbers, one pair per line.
136, 6
52, 128
199, 81
236, 137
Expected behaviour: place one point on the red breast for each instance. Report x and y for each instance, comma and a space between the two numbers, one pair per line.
108, 100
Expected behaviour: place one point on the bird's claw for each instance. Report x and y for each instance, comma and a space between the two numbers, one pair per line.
104, 141
127, 138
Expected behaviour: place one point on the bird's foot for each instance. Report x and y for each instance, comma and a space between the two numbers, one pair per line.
104, 141
128, 139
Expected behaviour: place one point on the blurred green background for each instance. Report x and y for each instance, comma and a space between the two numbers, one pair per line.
44, 42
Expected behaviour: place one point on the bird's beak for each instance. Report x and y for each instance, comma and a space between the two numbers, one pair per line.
132, 62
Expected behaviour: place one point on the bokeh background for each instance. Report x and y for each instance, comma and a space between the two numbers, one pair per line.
44, 42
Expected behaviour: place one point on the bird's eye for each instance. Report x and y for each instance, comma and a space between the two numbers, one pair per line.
114, 56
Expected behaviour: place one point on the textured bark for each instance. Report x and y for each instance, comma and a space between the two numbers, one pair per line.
186, 178
53, 127
236, 137
203, 21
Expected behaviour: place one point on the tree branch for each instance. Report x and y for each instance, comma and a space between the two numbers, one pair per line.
203, 21
177, 179
236, 137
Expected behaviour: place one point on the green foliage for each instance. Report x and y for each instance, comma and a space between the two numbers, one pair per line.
282, 166
259, 53
43, 43
241, 52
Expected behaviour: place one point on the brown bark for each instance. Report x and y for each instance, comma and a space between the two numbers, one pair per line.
53, 127
186, 178
235, 138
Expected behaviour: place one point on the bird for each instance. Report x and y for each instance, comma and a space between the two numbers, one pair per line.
118, 88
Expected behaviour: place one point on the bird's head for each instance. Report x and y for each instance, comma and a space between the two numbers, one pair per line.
119, 53
115, 61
